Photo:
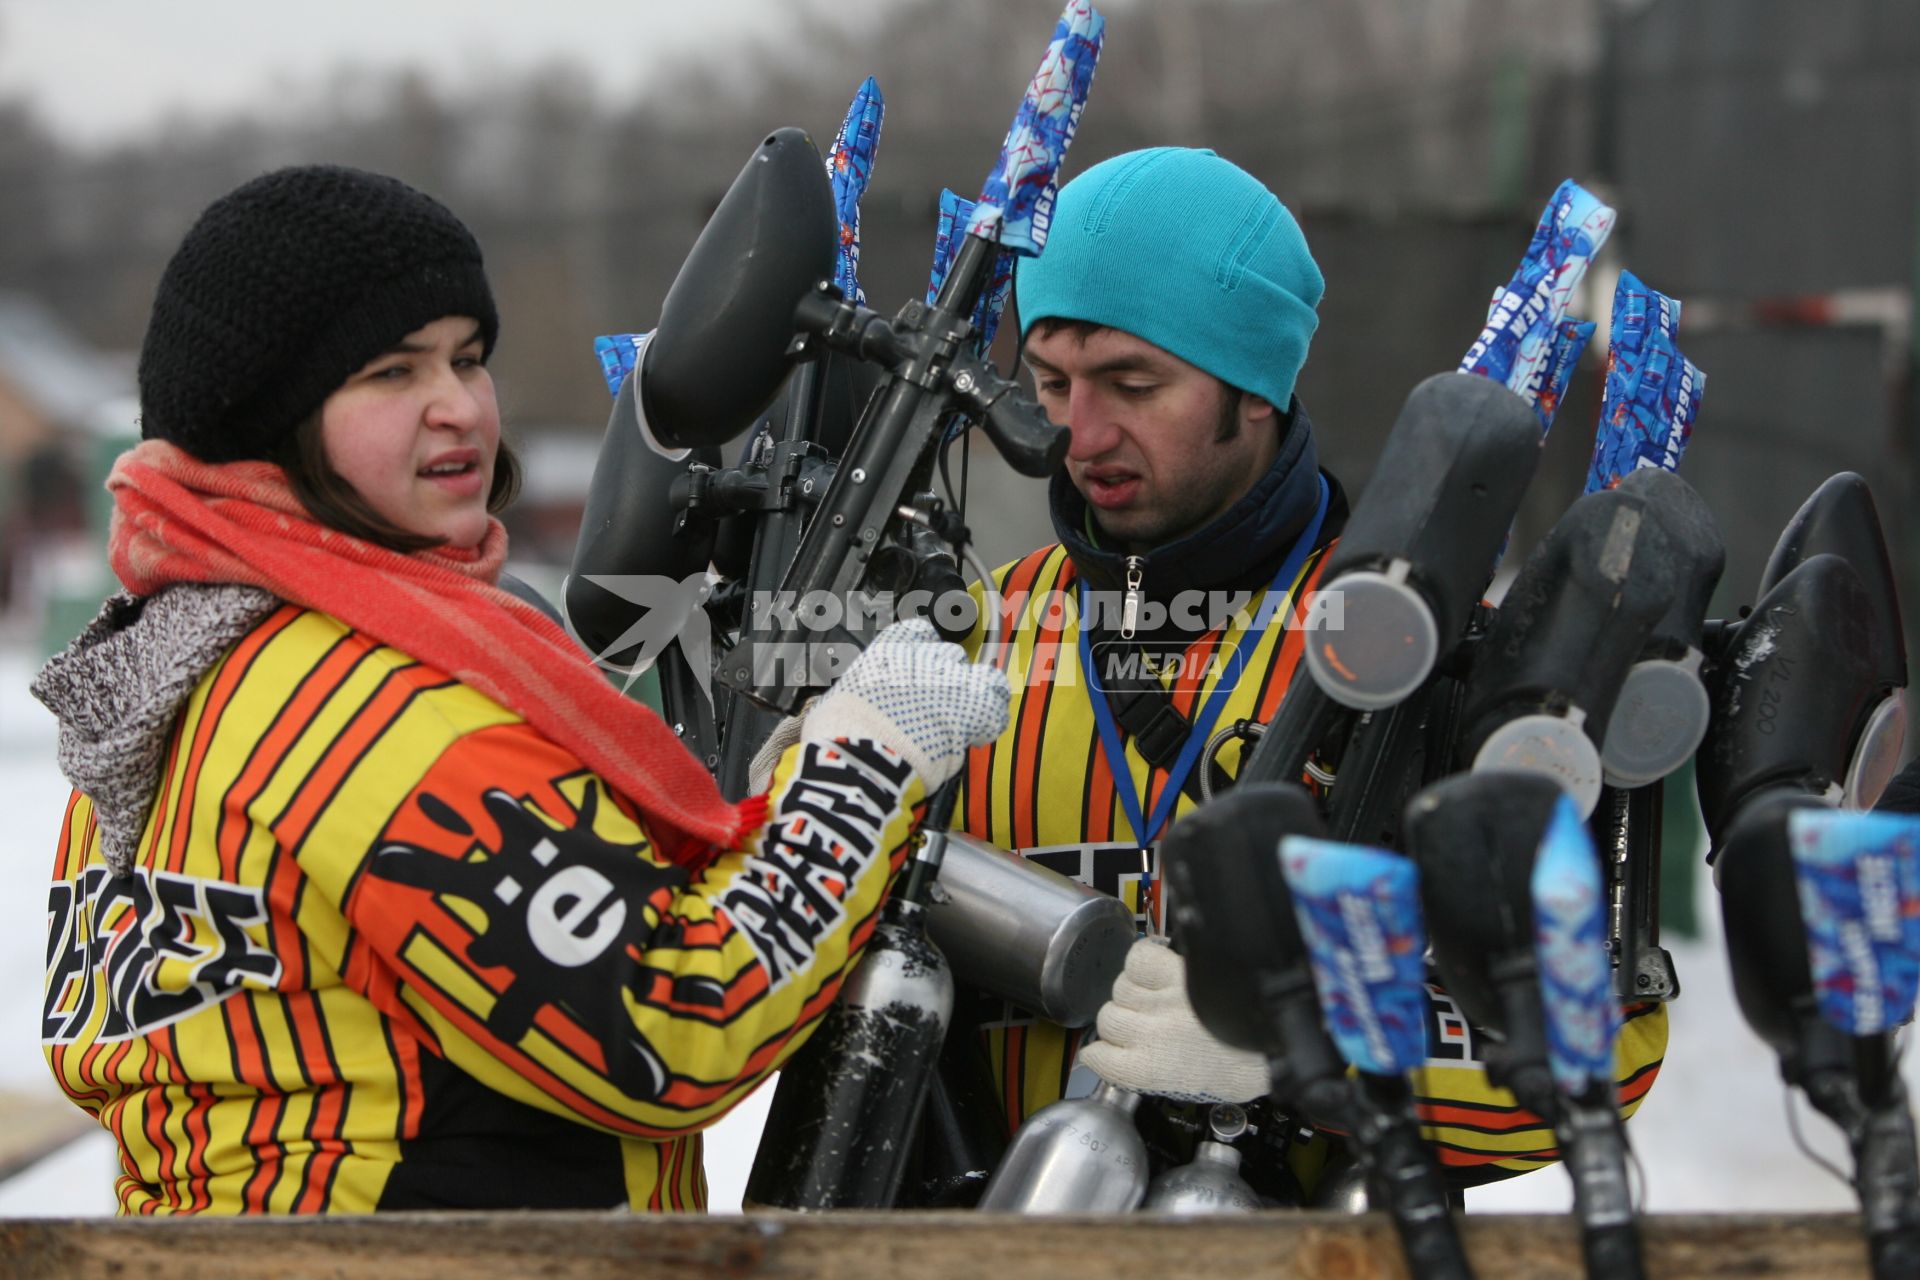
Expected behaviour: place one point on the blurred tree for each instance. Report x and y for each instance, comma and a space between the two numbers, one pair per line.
586, 211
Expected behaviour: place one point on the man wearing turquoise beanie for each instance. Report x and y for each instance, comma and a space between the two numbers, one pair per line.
1179, 251
1166, 323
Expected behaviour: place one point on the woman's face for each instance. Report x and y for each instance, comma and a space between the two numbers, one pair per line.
415, 432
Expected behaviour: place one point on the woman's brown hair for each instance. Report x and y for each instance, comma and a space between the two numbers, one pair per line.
337, 504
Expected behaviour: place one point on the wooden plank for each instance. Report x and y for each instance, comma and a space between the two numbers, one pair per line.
34, 1126
924, 1246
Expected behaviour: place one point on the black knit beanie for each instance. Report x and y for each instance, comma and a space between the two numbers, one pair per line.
282, 290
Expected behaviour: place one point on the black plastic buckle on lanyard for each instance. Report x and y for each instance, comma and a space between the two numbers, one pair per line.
1145, 710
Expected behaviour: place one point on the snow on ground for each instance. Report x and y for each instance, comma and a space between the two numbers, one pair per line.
33, 796
1712, 1135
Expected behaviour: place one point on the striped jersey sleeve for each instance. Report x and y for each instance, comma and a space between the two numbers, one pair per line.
362, 879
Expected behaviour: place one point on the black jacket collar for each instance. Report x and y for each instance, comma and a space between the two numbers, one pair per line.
1241, 550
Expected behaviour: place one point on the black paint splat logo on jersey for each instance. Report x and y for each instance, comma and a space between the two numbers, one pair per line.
825, 831
563, 907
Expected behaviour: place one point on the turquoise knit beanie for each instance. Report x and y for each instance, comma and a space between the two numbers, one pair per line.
1191, 253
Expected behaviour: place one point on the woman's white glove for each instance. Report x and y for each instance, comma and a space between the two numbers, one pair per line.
1152, 1042
785, 734
917, 694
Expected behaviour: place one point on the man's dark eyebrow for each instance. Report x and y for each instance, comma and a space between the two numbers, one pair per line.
1119, 364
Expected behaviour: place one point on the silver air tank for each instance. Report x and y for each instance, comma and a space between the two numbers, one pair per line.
1080, 1155
1211, 1182
1016, 930
837, 1136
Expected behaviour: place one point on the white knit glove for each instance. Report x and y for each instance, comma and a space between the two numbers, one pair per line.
1151, 1041
917, 694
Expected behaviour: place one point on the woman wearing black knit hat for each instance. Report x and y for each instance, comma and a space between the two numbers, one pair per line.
372, 893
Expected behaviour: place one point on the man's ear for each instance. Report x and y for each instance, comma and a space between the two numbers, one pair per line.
1256, 411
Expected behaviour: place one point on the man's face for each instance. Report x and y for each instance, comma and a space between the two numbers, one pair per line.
1159, 447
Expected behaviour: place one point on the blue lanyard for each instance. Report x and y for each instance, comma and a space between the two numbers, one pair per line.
1144, 828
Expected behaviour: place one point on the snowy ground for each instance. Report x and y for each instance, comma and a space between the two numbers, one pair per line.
1712, 1135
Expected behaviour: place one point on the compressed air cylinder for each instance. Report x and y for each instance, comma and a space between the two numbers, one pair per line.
838, 1134
1080, 1155
1026, 934
1211, 1181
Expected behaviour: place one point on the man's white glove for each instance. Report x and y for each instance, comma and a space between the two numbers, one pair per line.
1152, 1042
917, 694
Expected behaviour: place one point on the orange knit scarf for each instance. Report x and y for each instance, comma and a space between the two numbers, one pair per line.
177, 519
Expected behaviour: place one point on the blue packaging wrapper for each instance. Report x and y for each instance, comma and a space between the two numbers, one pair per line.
954, 212
993, 300
1569, 343
1359, 913
1016, 203
1653, 392
1516, 346
1570, 947
1858, 876
618, 354
1570, 338
850, 166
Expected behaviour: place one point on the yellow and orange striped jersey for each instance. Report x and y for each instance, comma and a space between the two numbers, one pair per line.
386, 946
1045, 790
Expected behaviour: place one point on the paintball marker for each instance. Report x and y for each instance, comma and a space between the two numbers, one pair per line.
843, 1116
1401, 589
1806, 716
713, 366
1820, 910
1251, 978
1516, 906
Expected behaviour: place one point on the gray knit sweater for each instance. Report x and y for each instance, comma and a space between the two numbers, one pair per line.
118, 690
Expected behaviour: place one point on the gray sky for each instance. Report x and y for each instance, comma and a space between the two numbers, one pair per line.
103, 71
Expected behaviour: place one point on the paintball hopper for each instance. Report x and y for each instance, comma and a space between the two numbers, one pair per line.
1026, 934
1247, 969
1766, 937
630, 530
1547, 674
1661, 714
1475, 837
1840, 519
1422, 541
722, 348
1801, 697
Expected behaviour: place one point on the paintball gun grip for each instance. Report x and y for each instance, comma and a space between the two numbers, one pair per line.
1405, 1174
1887, 1173
1595, 1142
1031, 443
